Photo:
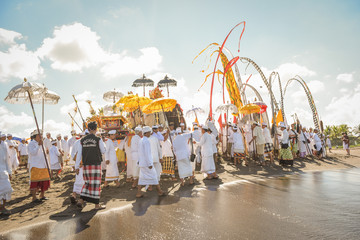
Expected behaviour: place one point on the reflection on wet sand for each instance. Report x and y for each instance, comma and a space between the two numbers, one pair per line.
317, 205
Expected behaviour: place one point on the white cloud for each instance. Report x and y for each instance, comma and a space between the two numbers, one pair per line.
343, 110
8, 37
345, 77
96, 102
72, 48
9, 121
75, 47
17, 61
120, 64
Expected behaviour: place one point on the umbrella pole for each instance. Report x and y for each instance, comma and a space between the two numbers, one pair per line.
167, 86
144, 89
75, 122
37, 127
42, 124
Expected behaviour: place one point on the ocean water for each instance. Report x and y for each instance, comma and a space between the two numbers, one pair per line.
313, 205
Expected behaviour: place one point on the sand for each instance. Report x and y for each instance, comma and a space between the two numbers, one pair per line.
58, 207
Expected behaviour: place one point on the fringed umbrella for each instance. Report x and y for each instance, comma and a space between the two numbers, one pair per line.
43, 96
135, 103
143, 82
31, 90
249, 109
112, 96
262, 106
167, 82
195, 111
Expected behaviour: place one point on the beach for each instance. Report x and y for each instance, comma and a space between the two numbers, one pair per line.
58, 207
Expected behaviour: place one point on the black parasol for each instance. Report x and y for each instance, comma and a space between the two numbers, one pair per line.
143, 82
167, 82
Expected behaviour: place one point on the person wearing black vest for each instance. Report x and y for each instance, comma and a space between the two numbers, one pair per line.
90, 153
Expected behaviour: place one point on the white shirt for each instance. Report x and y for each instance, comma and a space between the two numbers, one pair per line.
166, 148
5, 165
65, 146
23, 149
47, 143
180, 145
54, 154
258, 133
197, 135
135, 143
238, 141
230, 133
267, 136
36, 155
285, 137
145, 157
155, 148
110, 153
206, 145
71, 141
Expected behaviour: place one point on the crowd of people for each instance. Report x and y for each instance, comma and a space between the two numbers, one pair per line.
146, 154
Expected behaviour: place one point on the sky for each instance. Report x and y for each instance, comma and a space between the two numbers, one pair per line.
86, 48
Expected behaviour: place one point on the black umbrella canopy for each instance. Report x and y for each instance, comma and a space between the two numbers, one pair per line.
167, 82
143, 82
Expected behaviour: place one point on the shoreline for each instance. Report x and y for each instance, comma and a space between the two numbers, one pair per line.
59, 209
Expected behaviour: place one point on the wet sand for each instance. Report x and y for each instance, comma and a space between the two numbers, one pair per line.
57, 213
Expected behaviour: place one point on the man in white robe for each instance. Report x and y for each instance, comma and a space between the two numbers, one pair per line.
207, 155
182, 153
71, 142
156, 133
5, 177
13, 155
328, 143
258, 138
55, 165
79, 178
318, 148
112, 170
147, 175
156, 154
196, 134
135, 144
66, 149
238, 147
129, 162
23, 154
47, 144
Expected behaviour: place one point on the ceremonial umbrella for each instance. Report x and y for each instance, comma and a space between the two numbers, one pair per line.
249, 109
195, 111
112, 96
225, 108
161, 105
124, 99
143, 82
18, 95
167, 82
262, 106
44, 96
134, 103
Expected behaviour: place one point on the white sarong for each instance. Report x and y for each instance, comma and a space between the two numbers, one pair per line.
184, 167
148, 176
79, 181
5, 186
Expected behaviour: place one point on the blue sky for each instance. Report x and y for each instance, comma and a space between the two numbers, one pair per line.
89, 47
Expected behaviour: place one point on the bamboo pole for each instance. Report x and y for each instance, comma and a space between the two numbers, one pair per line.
38, 129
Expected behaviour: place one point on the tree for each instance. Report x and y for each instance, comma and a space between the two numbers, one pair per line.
356, 130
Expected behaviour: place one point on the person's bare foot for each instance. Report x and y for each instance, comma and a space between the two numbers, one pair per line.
99, 206
149, 188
